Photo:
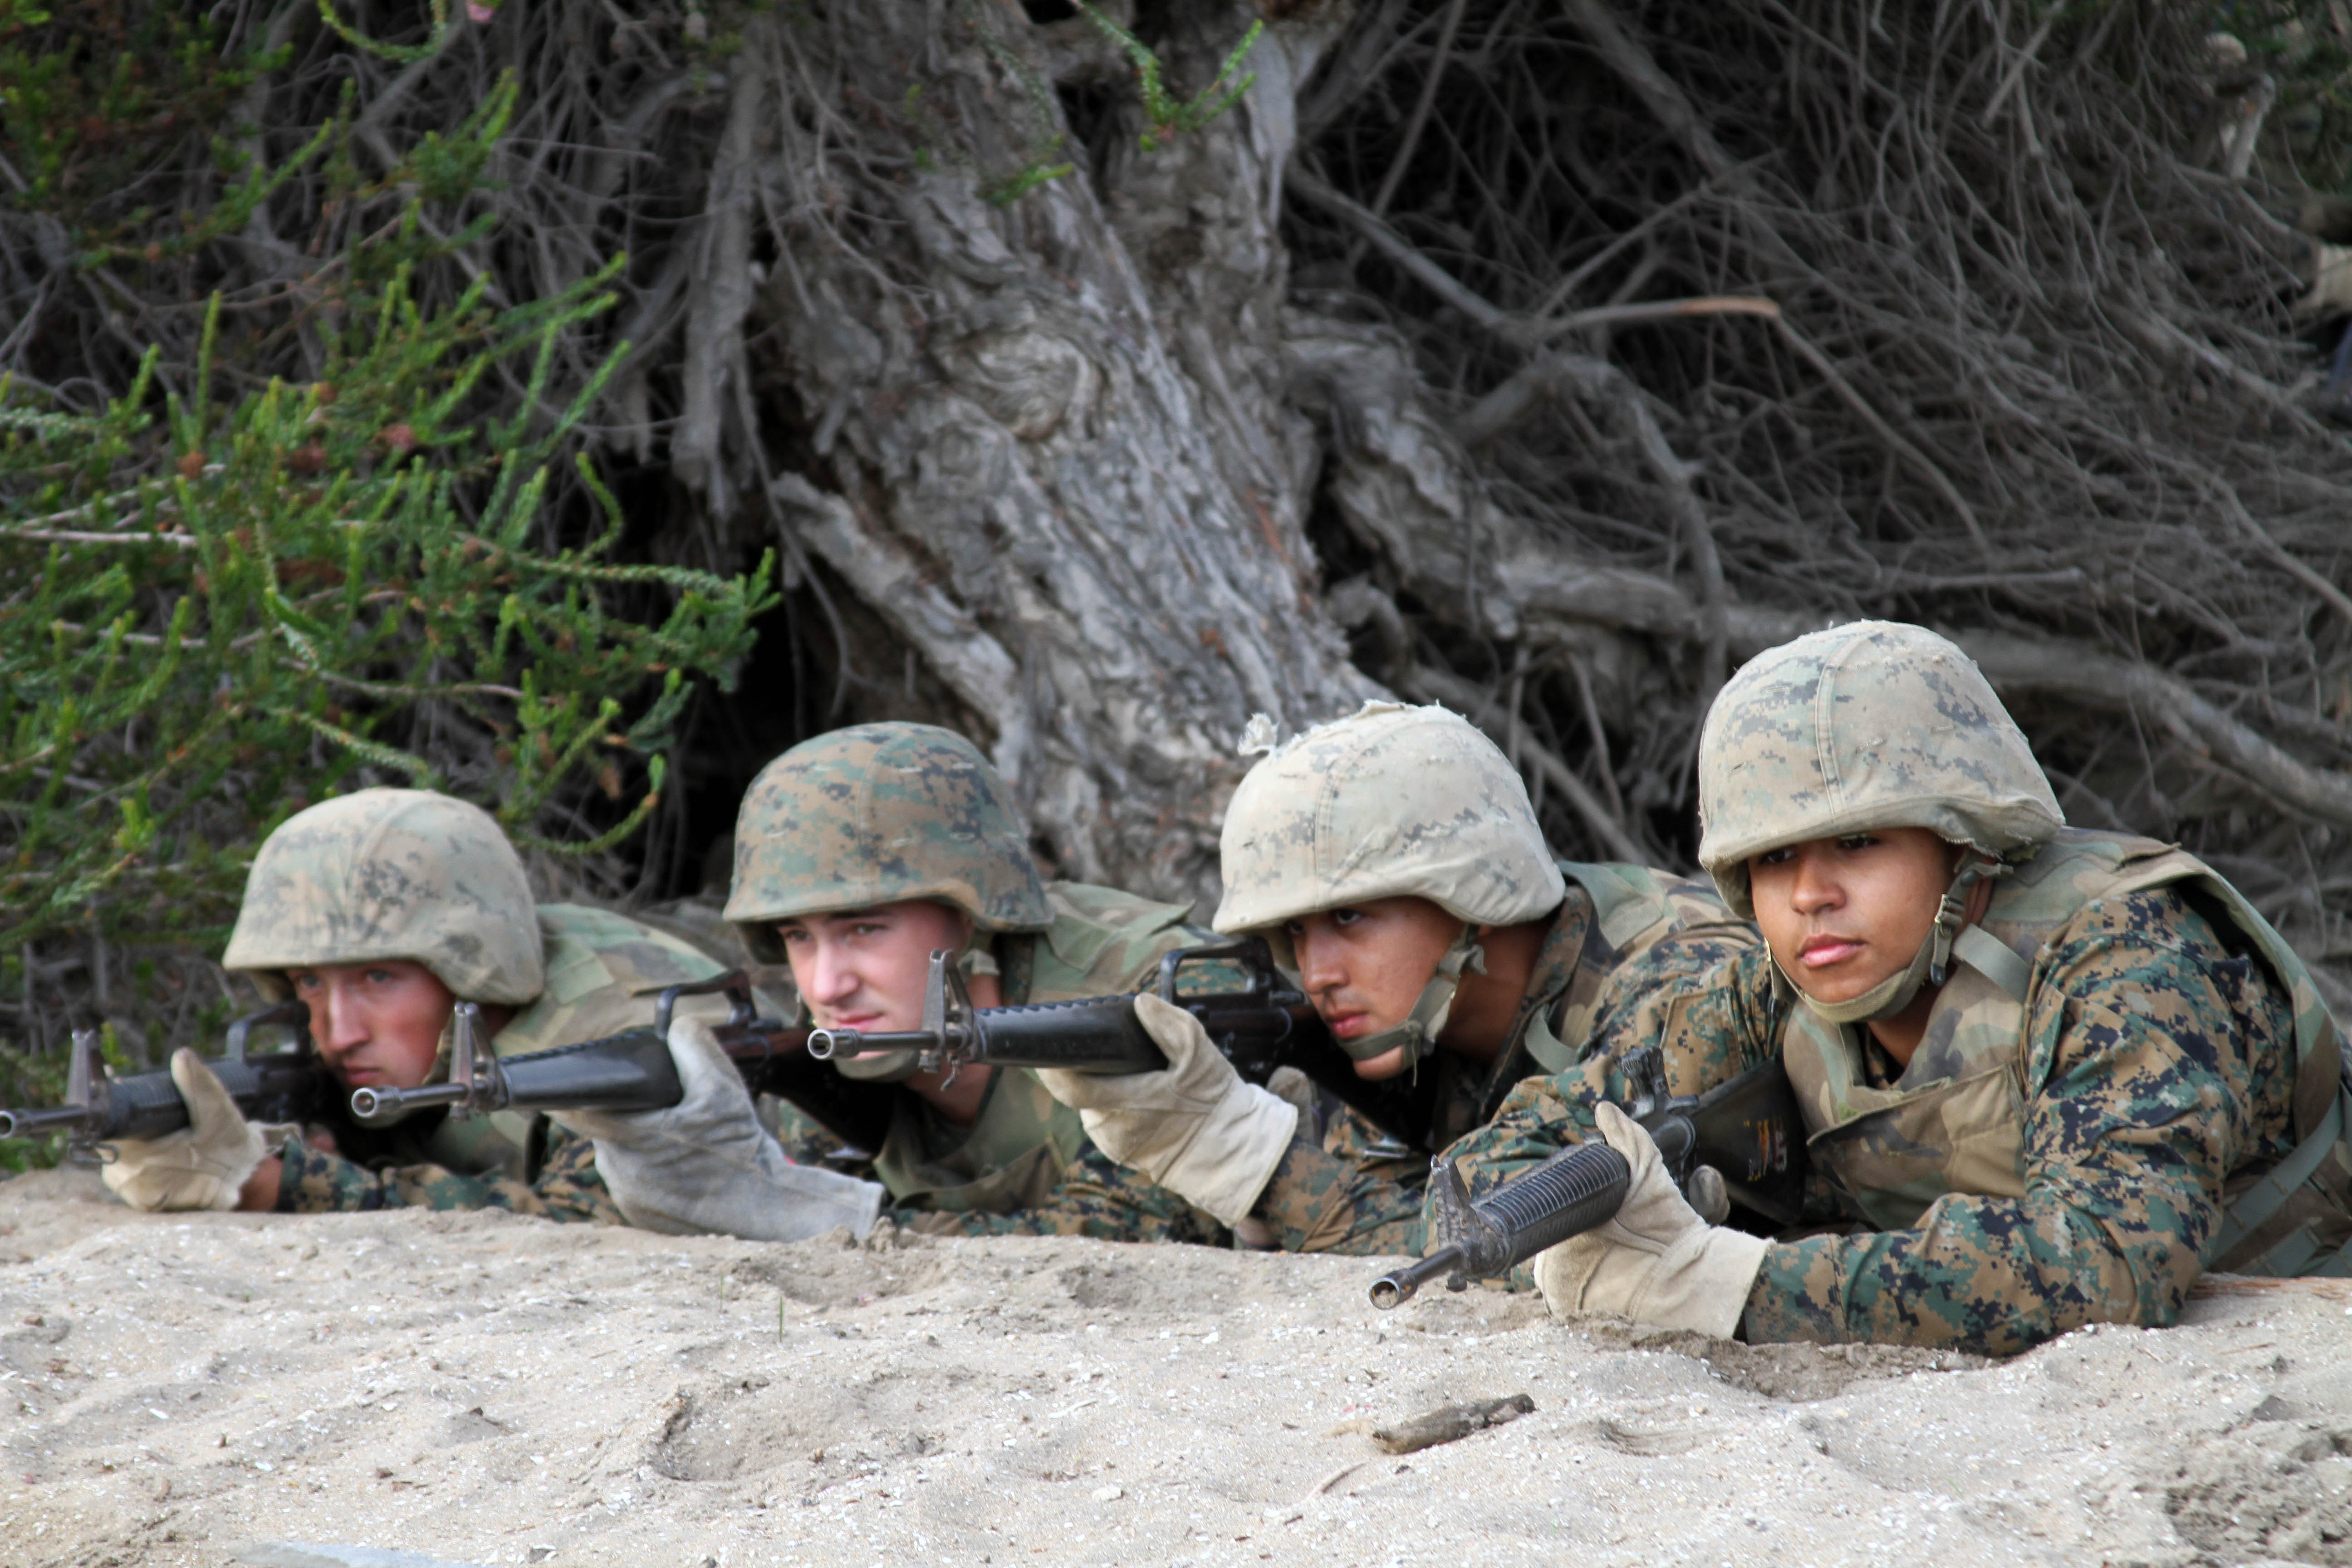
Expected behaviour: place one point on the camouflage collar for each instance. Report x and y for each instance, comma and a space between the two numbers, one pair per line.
1554, 972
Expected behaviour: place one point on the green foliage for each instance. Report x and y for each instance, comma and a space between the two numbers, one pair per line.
1168, 117
403, 54
32, 1080
93, 94
221, 605
1046, 138
1021, 182
2305, 46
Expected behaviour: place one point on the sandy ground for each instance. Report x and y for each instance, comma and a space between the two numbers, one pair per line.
402, 1390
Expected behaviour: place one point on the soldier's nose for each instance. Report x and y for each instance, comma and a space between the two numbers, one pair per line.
835, 981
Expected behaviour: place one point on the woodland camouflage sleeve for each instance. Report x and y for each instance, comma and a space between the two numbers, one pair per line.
1710, 1025
568, 1190
1325, 1195
1329, 1200
1096, 1198
2161, 1064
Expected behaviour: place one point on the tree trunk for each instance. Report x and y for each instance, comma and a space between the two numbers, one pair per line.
1042, 438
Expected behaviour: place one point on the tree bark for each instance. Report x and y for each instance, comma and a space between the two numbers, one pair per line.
1044, 440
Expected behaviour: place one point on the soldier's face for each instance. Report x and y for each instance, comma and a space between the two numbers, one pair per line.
377, 1025
1843, 914
865, 969
1364, 967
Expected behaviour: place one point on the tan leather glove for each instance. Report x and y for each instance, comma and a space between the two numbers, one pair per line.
203, 1165
1195, 1127
1657, 1262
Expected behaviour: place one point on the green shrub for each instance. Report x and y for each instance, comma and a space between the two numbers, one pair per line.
221, 602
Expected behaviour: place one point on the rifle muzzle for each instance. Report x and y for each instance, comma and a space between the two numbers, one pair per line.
379, 1106
825, 1044
1391, 1291
31, 1123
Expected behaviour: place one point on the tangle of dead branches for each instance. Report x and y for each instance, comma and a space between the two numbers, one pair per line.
2031, 375
1563, 352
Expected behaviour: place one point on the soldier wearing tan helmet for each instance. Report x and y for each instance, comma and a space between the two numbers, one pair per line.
2049, 1075
860, 852
1393, 861
382, 909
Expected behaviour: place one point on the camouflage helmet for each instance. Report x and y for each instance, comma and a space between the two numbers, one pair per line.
1387, 802
393, 873
1872, 724
873, 814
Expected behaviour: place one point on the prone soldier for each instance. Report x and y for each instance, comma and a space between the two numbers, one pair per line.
1393, 861
860, 853
382, 910
2048, 1076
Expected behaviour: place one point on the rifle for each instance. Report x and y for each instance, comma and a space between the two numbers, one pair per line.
291, 1085
1749, 1129
633, 1071
629, 1071
1265, 1025
1261, 1026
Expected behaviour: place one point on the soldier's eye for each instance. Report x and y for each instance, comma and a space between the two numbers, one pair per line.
1776, 856
1853, 841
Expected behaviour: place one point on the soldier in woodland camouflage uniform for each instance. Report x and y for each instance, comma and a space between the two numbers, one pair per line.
855, 854
382, 909
1504, 962
2060, 1078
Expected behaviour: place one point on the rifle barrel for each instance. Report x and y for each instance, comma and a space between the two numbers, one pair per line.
825, 1044
1394, 1289
372, 1106
32, 1123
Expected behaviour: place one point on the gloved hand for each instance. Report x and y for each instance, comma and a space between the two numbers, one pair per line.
706, 1164
204, 1164
1657, 1262
1195, 1127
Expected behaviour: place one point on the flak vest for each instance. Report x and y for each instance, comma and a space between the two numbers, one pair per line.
1955, 1121
1102, 942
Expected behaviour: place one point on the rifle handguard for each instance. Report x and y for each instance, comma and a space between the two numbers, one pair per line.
1577, 1190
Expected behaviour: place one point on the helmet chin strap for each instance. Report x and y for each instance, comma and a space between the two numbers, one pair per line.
1930, 967
1418, 1034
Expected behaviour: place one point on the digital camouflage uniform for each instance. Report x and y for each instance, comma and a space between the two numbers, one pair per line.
878, 813
2121, 1052
1400, 800
411, 875
1625, 938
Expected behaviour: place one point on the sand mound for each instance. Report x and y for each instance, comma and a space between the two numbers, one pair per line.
403, 1390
